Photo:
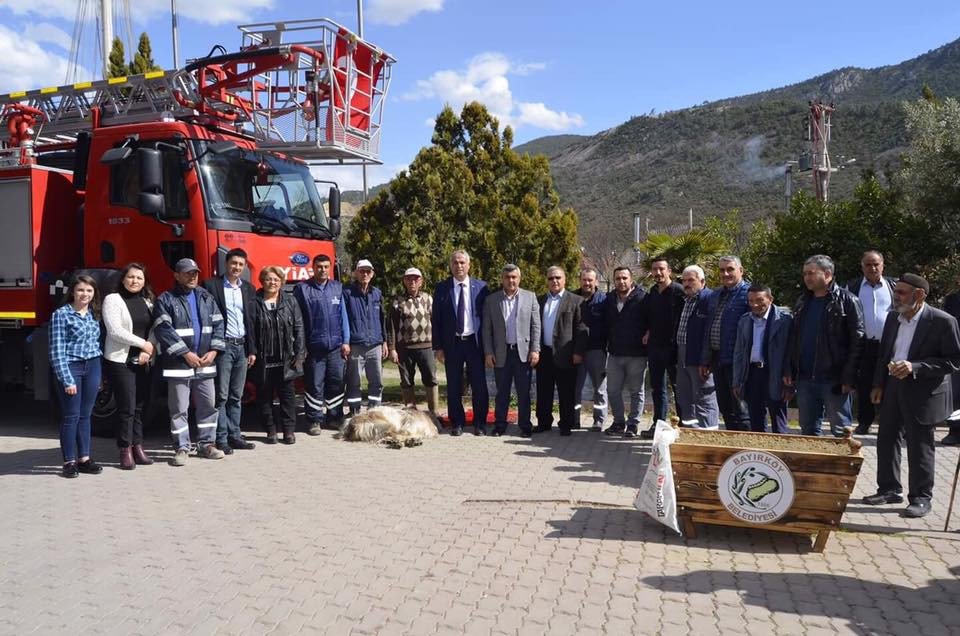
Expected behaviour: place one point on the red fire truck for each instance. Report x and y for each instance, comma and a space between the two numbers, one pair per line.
185, 163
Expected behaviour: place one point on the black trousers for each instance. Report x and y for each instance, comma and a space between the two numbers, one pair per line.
897, 423
131, 390
866, 411
662, 364
735, 417
550, 376
275, 384
413, 359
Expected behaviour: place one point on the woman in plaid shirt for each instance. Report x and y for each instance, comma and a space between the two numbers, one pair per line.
75, 357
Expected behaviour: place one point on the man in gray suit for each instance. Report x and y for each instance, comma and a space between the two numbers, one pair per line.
919, 349
511, 341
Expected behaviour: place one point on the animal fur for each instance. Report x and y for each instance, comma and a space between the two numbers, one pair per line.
390, 426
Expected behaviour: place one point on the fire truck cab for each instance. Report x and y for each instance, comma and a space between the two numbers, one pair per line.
172, 164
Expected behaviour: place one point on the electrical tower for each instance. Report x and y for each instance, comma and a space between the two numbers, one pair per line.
818, 133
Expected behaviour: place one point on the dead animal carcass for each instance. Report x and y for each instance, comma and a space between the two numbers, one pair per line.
390, 426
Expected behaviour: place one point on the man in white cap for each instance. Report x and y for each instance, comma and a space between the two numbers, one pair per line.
366, 316
409, 338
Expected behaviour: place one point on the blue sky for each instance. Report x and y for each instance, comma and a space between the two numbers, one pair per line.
545, 67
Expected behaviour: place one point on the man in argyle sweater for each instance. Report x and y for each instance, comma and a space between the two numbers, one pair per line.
409, 338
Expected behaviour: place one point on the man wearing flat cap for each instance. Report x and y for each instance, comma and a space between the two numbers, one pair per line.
919, 349
409, 339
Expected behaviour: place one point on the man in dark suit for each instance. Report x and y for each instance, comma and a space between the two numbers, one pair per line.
875, 292
564, 341
457, 310
919, 349
234, 297
758, 358
511, 342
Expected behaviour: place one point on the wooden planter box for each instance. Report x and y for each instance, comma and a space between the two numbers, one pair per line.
743, 479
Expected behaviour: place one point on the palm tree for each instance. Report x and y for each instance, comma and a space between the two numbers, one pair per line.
695, 247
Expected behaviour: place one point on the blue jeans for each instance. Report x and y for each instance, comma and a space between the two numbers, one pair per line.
231, 377
813, 398
323, 380
75, 425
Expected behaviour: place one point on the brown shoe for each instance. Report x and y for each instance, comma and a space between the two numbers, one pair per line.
290, 438
140, 456
126, 459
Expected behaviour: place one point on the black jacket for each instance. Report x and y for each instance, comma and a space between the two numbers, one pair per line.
292, 344
839, 337
625, 328
854, 285
249, 294
935, 354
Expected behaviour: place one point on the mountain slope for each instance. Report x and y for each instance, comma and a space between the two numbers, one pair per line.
731, 153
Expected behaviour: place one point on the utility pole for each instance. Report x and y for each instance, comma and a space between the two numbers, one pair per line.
106, 34
175, 32
636, 235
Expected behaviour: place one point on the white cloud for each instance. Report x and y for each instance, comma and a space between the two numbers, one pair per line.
485, 79
46, 32
27, 65
396, 12
536, 114
235, 11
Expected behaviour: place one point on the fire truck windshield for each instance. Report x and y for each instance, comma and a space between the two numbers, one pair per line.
274, 195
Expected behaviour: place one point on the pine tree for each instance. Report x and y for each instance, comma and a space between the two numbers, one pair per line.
143, 59
468, 190
116, 63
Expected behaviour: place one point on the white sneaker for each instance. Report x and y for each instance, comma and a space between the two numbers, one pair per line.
180, 458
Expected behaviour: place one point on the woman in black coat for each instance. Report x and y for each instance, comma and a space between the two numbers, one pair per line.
278, 329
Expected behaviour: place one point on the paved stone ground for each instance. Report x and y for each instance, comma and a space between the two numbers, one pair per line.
463, 535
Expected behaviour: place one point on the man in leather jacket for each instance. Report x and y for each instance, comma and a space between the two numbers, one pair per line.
825, 348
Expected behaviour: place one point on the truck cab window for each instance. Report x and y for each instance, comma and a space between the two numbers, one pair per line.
125, 185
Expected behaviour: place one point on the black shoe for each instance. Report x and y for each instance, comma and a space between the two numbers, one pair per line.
89, 467
480, 431
565, 432
496, 433
952, 439
271, 438
917, 510
883, 498
226, 448
526, 433
630, 433
290, 438
541, 428
649, 433
614, 430
456, 431
241, 444
862, 430
70, 470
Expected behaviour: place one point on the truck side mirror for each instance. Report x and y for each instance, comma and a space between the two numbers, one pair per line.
333, 205
150, 204
335, 227
151, 170
116, 155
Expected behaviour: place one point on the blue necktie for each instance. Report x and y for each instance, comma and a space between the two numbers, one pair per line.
461, 312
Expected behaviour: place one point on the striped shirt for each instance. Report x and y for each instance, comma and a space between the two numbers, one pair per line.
74, 337
689, 303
